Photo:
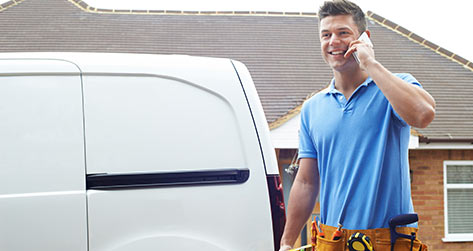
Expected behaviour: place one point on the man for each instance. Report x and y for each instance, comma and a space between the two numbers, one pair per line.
354, 139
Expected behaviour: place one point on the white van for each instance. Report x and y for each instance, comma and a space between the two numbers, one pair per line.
129, 152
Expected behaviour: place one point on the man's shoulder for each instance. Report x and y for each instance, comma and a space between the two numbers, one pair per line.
317, 95
315, 99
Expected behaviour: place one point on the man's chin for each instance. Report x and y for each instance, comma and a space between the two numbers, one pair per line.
343, 66
339, 67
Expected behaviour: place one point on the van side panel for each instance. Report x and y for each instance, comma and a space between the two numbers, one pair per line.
180, 117
42, 168
139, 123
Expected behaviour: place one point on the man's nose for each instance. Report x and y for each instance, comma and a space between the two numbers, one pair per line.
334, 39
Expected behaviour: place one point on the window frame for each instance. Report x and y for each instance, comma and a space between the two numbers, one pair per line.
454, 237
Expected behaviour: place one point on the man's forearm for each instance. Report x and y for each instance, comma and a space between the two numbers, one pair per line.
301, 203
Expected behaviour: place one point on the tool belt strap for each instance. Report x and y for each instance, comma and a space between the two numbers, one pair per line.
374, 234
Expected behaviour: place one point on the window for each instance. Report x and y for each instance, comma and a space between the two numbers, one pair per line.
458, 194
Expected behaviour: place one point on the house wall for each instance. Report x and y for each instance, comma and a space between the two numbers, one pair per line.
427, 193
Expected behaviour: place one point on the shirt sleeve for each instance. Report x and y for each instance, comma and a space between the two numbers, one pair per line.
306, 146
407, 77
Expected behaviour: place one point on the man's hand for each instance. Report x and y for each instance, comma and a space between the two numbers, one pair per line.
365, 52
285, 248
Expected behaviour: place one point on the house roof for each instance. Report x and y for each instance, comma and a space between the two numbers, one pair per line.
281, 50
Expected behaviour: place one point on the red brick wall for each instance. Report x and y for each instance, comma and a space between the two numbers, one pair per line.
427, 195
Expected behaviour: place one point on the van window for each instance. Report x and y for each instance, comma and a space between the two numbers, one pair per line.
147, 123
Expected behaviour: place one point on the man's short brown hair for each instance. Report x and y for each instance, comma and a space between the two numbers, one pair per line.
343, 7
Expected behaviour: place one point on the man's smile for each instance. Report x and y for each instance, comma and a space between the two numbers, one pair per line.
337, 52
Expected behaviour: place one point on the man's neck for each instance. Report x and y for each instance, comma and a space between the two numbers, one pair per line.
347, 82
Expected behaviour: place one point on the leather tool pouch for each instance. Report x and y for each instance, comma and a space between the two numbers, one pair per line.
330, 245
401, 245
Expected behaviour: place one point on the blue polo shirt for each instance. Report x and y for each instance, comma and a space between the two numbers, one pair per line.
361, 147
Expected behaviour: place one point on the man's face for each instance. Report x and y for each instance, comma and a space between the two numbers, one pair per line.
336, 33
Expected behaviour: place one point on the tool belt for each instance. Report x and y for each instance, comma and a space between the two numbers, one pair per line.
380, 239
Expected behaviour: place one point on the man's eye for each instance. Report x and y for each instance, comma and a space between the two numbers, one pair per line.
326, 35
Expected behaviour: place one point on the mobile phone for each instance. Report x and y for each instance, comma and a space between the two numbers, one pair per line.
363, 37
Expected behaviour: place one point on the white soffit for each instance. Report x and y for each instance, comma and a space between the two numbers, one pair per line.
286, 136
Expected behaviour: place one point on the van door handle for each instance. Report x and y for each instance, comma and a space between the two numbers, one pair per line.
105, 181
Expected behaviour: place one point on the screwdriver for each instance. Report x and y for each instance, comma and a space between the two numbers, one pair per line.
321, 234
338, 233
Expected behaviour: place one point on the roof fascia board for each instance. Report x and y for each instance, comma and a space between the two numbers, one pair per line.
419, 40
445, 146
427, 140
87, 8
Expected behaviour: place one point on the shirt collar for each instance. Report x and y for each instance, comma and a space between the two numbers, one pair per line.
331, 88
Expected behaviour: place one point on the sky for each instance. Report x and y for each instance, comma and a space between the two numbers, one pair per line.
445, 23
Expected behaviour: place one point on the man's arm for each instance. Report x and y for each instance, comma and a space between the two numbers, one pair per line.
411, 102
415, 105
302, 198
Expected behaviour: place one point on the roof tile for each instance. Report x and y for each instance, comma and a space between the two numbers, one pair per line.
417, 38
82, 4
445, 52
7, 4
431, 45
403, 30
390, 24
376, 17
460, 59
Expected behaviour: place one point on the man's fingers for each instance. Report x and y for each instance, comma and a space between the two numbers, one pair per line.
350, 51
